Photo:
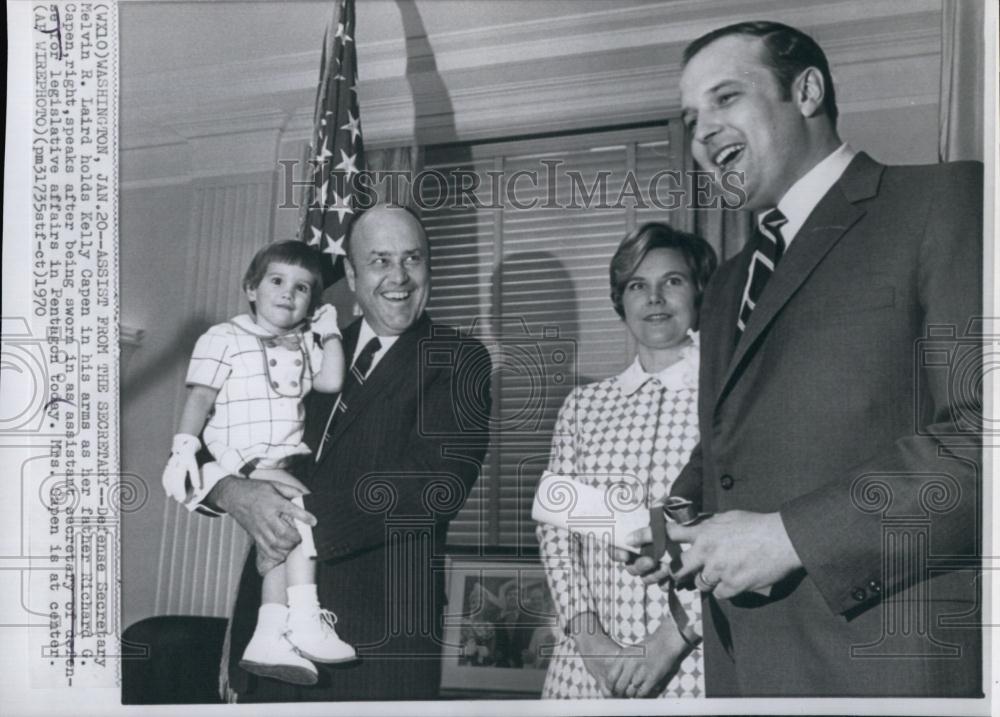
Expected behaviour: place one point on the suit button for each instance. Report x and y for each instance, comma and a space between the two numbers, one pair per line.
859, 594
726, 481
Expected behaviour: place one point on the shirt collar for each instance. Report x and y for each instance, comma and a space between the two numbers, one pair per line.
682, 374
803, 196
366, 334
246, 322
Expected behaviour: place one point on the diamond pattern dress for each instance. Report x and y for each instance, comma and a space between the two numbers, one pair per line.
638, 429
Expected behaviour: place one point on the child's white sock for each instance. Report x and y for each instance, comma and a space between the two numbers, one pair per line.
305, 532
271, 617
303, 598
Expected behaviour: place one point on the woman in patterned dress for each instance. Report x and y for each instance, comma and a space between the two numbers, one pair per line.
636, 428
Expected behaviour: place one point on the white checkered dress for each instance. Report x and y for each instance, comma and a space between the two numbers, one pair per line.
259, 410
603, 435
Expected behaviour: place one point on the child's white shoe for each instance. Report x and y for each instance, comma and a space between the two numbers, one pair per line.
270, 654
313, 635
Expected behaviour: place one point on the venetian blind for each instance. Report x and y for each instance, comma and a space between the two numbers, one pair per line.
521, 236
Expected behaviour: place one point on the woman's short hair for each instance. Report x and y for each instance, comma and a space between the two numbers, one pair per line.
288, 251
698, 253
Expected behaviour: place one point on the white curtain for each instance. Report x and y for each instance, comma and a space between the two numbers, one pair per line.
961, 108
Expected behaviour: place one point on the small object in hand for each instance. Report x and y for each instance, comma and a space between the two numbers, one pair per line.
682, 511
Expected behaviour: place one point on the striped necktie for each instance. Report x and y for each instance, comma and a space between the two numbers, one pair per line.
770, 245
353, 382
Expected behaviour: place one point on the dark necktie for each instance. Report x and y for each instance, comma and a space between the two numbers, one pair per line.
770, 245
353, 382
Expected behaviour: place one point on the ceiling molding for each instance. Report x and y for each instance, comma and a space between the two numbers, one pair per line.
608, 67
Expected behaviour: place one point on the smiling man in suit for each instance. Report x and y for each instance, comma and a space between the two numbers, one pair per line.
841, 464
394, 457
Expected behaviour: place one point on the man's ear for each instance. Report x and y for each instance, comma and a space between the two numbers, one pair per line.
349, 272
809, 91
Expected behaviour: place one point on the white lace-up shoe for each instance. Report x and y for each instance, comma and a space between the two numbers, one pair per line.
313, 635
270, 654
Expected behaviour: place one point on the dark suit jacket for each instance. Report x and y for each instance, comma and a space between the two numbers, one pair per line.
398, 466
835, 409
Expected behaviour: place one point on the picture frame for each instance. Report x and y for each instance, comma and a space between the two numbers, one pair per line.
500, 627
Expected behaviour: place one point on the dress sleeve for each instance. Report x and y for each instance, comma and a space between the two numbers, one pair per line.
210, 361
561, 551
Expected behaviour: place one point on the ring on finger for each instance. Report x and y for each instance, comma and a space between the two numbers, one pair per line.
704, 583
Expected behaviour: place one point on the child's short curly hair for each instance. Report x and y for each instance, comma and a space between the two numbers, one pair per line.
289, 251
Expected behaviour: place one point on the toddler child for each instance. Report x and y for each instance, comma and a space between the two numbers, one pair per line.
247, 381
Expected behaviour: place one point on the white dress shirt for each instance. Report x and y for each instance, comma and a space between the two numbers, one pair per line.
803, 196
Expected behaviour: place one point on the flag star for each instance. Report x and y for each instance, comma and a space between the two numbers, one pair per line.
347, 164
321, 157
342, 33
317, 237
354, 125
341, 205
335, 248
339, 76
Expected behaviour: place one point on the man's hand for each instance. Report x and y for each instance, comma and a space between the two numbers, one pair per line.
650, 570
736, 551
264, 509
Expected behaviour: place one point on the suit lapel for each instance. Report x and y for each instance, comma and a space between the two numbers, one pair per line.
828, 222
720, 330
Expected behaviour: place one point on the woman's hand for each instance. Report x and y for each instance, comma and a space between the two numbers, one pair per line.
654, 662
601, 655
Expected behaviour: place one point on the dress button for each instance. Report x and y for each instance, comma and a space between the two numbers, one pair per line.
294, 384
274, 384
272, 343
273, 362
726, 481
298, 362
859, 594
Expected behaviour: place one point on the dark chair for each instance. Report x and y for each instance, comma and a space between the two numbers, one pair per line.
172, 659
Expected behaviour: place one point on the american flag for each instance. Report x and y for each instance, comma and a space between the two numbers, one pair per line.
337, 149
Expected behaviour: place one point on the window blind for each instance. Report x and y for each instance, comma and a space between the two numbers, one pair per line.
522, 234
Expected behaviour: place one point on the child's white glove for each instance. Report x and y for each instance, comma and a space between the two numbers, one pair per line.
324, 322
181, 466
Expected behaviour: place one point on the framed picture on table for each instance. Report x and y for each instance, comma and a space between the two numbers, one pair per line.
499, 626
